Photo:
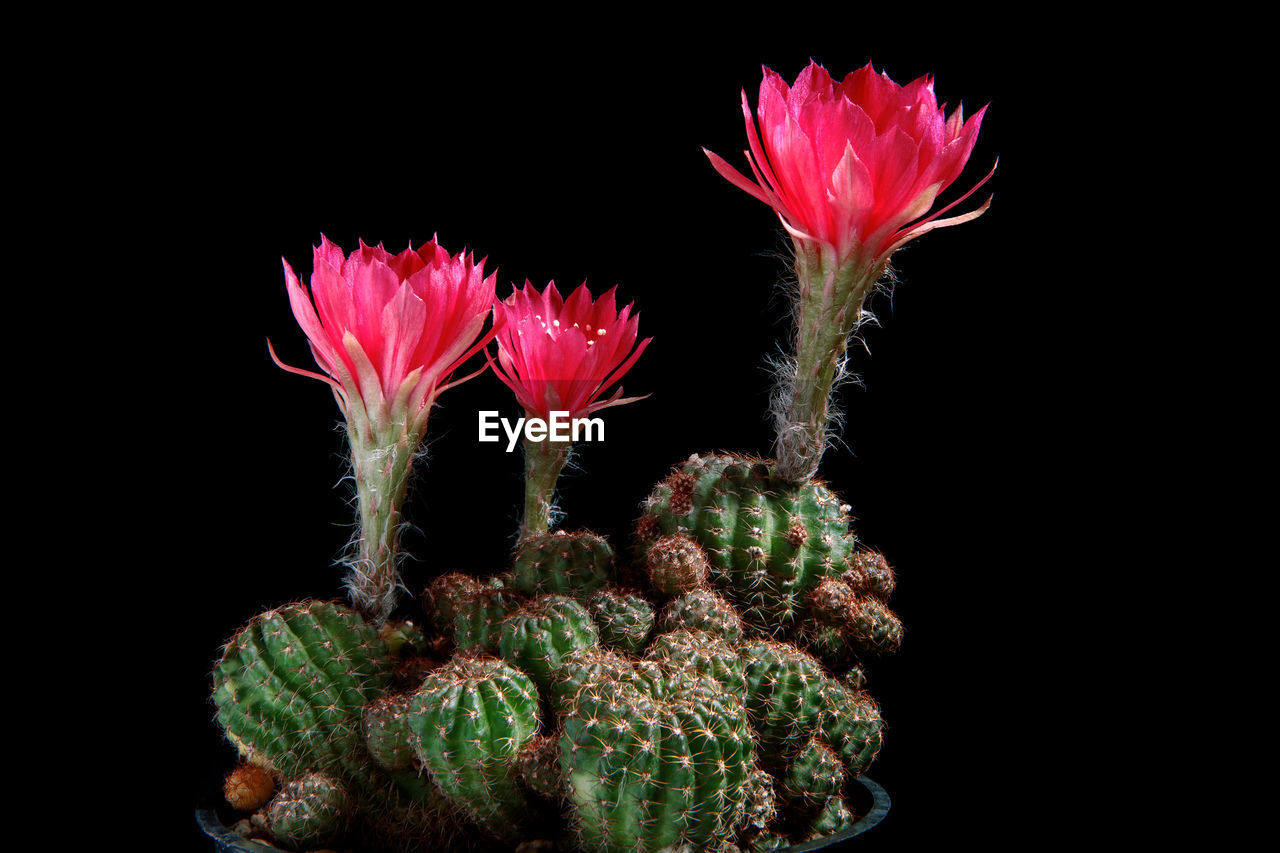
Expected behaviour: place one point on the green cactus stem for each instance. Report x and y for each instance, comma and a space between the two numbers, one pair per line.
647, 775
624, 619
827, 310
386, 731
833, 817
701, 610
703, 653
477, 621
850, 722
543, 462
312, 811
470, 719
537, 637
575, 564
291, 687
381, 461
813, 775
768, 542
785, 697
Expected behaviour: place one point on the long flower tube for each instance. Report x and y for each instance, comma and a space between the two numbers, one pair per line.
388, 332
561, 356
853, 170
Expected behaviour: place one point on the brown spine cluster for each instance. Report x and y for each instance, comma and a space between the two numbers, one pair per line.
677, 565
248, 788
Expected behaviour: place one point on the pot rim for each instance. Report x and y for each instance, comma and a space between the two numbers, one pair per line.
212, 825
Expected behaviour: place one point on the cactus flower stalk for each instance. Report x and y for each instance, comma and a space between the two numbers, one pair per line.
388, 332
853, 170
561, 356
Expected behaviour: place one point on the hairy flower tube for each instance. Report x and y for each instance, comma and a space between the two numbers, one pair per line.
853, 170
388, 331
561, 356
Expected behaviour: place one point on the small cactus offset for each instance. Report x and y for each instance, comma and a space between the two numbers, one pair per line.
768, 541
701, 610
575, 564
624, 619
470, 719
312, 811
704, 654
478, 618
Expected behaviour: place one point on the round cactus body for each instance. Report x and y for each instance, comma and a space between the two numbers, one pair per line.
868, 572
477, 620
676, 565
785, 696
768, 542
539, 764
248, 788
701, 610
312, 811
813, 775
575, 564
873, 628
291, 687
833, 817
538, 637
646, 774
702, 653
850, 722
767, 842
386, 731
624, 619
585, 666
470, 720
441, 597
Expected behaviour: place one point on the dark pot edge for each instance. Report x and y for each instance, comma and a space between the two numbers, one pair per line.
213, 827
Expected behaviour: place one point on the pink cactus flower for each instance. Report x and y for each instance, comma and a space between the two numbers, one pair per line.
388, 331
856, 165
559, 355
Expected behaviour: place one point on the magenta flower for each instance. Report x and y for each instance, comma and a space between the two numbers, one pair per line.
389, 330
856, 165
563, 356
560, 356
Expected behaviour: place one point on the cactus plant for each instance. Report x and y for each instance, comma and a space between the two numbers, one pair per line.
701, 610
768, 541
624, 619
785, 696
312, 811
291, 687
470, 719
538, 636
650, 774
575, 564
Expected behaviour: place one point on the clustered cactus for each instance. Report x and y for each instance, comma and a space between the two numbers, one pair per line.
605, 717
711, 695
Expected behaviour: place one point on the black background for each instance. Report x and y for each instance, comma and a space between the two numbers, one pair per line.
578, 158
